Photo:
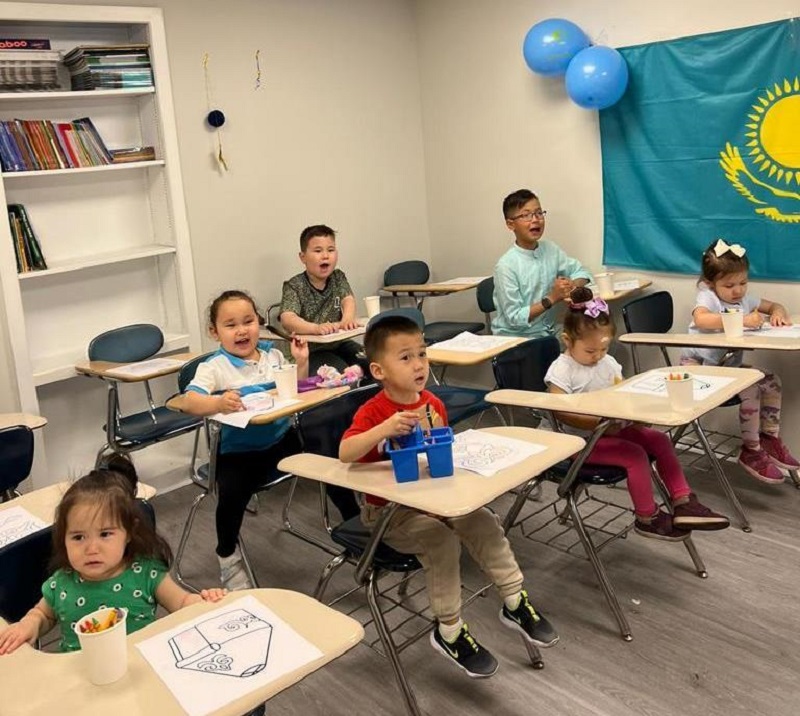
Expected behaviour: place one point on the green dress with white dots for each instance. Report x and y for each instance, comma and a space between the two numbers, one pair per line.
71, 597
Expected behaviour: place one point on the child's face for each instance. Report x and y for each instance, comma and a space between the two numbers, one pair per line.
403, 366
591, 347
236, 328
95, 543
528, 224
320, 257
730, 288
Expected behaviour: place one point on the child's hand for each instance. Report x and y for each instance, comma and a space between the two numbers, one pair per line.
561, 289
299, 349
212, 595
325, 329
753, 320
230, 402
402, 423
17, 634
779, 318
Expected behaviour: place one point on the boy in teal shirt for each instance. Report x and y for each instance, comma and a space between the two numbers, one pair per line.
533, 275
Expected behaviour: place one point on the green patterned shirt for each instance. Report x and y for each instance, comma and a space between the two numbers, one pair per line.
71, 597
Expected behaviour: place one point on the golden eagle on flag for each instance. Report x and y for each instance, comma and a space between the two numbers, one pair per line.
706, 143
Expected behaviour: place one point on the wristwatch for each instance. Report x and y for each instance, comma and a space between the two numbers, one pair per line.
546, 303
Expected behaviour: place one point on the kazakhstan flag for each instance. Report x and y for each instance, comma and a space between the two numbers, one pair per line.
705, 143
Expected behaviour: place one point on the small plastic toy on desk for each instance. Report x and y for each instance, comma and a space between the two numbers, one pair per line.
328, 377
437, 444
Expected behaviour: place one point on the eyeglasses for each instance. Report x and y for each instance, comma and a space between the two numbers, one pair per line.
539, 214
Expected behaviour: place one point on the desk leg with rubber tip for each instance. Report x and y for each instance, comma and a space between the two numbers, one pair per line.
534, 654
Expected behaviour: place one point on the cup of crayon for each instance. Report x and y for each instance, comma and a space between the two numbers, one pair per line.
680, 389
733, 322
102, 638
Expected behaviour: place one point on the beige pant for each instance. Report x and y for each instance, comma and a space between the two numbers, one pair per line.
436, 543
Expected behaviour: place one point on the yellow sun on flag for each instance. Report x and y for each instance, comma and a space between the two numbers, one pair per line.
773, 136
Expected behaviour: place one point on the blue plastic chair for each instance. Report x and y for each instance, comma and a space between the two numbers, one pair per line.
128, 433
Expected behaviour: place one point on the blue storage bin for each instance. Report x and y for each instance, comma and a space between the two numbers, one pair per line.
438, 446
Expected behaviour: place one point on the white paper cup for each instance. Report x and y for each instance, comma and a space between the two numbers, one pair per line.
286, 380
681, 393
605, 284
733, 324
105, 653
373, 304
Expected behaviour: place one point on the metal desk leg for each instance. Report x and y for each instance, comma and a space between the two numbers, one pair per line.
722, 477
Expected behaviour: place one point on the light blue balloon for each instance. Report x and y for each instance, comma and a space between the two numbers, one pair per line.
596, 77
551, 44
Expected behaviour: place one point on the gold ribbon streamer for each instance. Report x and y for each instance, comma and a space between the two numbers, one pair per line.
220, 156
258, 70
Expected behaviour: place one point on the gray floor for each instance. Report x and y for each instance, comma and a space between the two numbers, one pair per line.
725, 645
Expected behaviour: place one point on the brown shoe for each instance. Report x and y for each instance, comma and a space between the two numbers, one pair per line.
695, 516
660, 527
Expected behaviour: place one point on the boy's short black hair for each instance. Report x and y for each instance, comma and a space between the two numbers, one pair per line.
312, 232
380, 331
516, 200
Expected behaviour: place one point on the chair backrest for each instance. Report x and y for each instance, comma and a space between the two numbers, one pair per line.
322, 426
23, 569
189, 369
649, 314
524, 366
406, 272
16, 456
127, 344
485, 296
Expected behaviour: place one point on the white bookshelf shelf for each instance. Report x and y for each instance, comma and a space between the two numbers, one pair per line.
102, 259
61, 366
75, 95
83, 170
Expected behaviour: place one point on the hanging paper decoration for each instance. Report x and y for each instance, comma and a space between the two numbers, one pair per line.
258, 70
215, 117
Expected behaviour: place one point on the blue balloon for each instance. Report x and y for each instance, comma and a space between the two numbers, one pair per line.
596, 77
551, 44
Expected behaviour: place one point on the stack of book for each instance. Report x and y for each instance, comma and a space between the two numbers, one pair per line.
109, 67
26, 246
28, 65
132, 154
30, 145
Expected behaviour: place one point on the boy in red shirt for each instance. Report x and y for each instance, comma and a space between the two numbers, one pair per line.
396, 350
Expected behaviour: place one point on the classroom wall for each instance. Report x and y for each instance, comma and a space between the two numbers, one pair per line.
333, 136
493, 126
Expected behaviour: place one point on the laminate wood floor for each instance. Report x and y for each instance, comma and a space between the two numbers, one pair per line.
726, 645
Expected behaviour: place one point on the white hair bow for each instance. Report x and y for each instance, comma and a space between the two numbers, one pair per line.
721, 248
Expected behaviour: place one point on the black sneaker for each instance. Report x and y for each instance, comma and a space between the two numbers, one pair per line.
466, 653
527, 621
660, 527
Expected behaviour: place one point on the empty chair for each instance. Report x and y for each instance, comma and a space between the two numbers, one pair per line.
127, 433
649, 314
485, 296
16, 459
417, 273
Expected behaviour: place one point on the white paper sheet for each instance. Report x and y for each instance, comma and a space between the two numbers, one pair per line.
146, 367
627, 285
222, 655
461, 280
255, 404
656, 384
16, 523
486, 454
472, 343
778, 331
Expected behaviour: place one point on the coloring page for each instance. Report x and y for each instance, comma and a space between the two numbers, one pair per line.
486, 453
655, 384
16, 523
472, 343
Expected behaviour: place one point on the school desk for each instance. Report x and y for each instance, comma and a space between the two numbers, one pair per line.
764, 340
618, 295
9, 420
445, 358
42, 503
101, 368
269, 334
34, 683
422, 291
454, 496
617, 404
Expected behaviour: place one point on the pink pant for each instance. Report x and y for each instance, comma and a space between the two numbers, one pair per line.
631, 449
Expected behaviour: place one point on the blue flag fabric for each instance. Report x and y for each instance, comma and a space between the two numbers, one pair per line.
705, 144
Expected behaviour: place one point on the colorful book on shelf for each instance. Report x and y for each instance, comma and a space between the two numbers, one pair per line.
133, 154
109, 66
9, 152
30, 257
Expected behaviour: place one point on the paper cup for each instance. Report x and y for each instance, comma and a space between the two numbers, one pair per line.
105, 653
605, 284
373, 304
286, 380
681, 393
733, 324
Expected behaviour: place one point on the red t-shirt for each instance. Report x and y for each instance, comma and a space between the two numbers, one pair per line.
382, 407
